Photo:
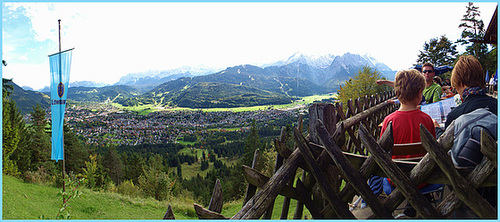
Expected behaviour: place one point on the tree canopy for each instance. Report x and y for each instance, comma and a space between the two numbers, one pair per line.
363, 83
438, 51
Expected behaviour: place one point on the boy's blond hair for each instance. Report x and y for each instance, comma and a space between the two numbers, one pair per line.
408, 84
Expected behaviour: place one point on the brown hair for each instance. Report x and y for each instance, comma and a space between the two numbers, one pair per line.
428, 64
408, 84
468, 72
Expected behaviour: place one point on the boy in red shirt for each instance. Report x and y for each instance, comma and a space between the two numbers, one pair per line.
408, 85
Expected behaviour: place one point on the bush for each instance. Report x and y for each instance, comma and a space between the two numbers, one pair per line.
128, 188
40, 177
155, 183
111, 187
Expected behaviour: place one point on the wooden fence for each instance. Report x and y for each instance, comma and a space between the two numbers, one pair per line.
336, 149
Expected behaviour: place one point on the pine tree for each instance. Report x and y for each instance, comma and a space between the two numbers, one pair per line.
134, 167
75, 153
113, 165
473, 29
40, 144
252, 143
179, 171
10, 135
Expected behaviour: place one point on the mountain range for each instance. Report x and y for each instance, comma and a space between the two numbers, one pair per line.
280, 82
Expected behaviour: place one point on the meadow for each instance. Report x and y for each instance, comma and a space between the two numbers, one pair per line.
30, 201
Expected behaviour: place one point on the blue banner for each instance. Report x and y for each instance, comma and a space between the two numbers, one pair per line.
60, 65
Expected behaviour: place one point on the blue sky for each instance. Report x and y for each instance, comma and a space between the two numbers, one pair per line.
114, 39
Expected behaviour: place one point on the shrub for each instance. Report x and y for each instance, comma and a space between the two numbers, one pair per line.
156, 184
129, 189
111, 187
40, 177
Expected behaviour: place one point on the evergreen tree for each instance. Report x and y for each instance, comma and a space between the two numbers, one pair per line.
7, 87
179, 171
10, 136
473, 29
252, 143
40, 142
75, 153
113, 165
438, 52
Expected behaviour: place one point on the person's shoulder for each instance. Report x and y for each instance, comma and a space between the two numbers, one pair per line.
391, 116
436, 86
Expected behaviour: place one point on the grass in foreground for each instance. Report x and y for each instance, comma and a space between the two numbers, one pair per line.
29, 201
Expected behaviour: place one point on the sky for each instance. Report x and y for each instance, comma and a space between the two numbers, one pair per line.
114, 39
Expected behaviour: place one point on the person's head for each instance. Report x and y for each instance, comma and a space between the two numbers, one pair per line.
428, 71
409, 85
437, 80
467, 72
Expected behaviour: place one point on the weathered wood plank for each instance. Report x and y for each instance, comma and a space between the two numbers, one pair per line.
462, 188
451, 203
410, 191
369, 166
251, 189
256, 206
489, 147
286, 201
280, 147
169, 215
324, 112
299, 208
364, 114
258, 179
356, 180
436, 176
279, 162
216, 201
207, 214
340, 207
306, 199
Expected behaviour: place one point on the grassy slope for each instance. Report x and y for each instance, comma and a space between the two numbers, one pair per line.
29, 201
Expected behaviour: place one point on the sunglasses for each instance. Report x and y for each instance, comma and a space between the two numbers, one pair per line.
426, 71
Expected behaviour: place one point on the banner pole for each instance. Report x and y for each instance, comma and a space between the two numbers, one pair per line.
61, 111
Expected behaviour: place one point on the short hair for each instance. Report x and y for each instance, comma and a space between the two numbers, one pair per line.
408, 84
468, 72
428, 64
438, 80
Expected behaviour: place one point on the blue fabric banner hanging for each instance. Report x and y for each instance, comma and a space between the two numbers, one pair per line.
60, 65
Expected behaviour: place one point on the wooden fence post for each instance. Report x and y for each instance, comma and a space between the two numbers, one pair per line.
251, 189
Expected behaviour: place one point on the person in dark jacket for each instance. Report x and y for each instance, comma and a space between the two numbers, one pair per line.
467, 78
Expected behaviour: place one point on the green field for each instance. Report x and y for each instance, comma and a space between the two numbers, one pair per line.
28, 201
145, 109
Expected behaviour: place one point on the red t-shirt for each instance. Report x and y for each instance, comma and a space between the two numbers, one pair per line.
406, 127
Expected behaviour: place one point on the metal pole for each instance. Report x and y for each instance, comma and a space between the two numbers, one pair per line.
61, 111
